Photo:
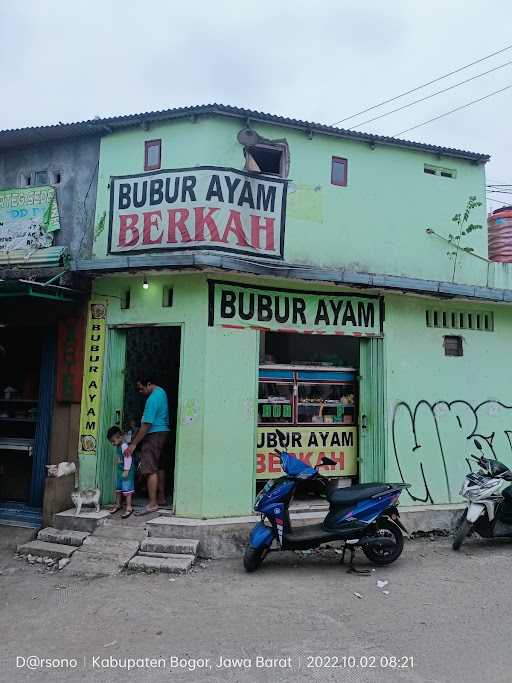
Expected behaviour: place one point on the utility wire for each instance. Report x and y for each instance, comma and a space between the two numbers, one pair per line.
427, 97
424, 85
452, 111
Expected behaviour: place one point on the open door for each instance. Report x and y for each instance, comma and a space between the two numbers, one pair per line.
112, 410
372, 411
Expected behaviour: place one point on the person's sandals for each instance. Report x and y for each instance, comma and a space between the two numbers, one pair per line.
114, 509
146, 511
127, 513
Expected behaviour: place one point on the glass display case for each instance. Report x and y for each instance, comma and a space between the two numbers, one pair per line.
305, 397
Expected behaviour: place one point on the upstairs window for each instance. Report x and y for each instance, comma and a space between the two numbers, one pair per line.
42, 178
439, 171
267, 159
152, 155
339, 172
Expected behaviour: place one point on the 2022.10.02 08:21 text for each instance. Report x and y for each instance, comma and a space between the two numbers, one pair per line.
362, 662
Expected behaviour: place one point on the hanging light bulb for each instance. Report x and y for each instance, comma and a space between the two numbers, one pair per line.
145, 284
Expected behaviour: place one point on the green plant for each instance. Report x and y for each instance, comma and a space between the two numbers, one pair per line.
464, 228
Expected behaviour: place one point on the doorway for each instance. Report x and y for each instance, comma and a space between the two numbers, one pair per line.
27, 368
152, 352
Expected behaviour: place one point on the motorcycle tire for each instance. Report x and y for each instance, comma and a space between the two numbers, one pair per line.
386, 555
253, 557
460, 534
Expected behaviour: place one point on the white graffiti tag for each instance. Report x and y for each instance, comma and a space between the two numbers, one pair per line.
432, 441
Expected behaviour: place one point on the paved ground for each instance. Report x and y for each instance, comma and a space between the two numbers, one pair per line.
447, 611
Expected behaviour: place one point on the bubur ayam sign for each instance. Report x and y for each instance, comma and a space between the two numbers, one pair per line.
207, 207
233, 305
310, 446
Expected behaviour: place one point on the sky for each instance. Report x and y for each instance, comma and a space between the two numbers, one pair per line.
321, 61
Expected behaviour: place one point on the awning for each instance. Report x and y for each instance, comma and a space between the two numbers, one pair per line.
15, 289
51, 256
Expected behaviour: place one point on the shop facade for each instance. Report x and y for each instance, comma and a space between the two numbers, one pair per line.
285, 298
42, 318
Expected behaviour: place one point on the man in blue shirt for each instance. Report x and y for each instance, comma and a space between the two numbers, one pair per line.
154, 437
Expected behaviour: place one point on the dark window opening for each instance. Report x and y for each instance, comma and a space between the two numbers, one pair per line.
152, 155
446, 174
56, 178
265, 159
125, 300
303, 349
453, 346
167, 299
430, 171
339, 172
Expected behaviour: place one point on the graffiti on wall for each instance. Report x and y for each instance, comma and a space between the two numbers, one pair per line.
432, 442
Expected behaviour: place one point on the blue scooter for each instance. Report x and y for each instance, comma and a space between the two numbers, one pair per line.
363, 515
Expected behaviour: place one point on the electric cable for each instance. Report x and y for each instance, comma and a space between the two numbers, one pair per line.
424, 85
452, 111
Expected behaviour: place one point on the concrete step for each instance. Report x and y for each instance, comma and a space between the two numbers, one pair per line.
62, 536
171, 564
117, 531
90, 566
115, 549
175, 546
85, 521
42, 549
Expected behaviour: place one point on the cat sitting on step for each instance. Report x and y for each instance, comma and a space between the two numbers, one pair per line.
86, 497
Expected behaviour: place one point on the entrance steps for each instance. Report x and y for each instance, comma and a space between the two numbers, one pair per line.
169, 555
100, 544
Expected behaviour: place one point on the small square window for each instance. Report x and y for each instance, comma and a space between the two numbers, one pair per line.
56, 178
267, 159
453, 346
41, 178
152, 155
25, 180
339, 172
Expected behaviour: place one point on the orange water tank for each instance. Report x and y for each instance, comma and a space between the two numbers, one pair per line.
499, 231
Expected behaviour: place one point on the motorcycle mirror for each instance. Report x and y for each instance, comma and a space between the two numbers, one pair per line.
282, 438
328, 461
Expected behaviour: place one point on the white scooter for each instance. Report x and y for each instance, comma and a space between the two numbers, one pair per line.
489, 510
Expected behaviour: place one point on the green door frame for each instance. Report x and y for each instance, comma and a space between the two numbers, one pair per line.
372, 411
112, 410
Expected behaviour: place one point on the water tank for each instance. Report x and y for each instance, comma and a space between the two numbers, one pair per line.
499, 230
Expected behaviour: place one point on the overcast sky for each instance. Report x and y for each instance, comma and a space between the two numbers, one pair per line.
63, 60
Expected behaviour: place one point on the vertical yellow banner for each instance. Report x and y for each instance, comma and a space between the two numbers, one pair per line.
93, 376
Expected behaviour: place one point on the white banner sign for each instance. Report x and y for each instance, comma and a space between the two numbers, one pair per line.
28, 217
207, 207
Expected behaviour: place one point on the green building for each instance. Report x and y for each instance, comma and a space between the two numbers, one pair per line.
271, 273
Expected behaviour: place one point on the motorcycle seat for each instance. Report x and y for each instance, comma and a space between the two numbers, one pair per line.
353, 494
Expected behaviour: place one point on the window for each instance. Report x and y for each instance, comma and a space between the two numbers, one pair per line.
167, 297
56, 177
268, 159
439, 171
339, 169
24, 180
41, 178
460, 320
152, 155
453, 346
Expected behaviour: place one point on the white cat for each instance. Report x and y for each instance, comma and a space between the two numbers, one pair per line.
86, 497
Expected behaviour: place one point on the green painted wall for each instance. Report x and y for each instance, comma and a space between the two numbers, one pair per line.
376, 224
438, 405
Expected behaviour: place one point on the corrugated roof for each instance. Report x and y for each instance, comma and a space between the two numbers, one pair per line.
21, 137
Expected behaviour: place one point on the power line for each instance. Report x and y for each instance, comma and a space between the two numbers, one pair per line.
424, 85
452, 111
498, 201
427, 97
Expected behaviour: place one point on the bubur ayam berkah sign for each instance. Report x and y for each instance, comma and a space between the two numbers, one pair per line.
233, 305
207, 207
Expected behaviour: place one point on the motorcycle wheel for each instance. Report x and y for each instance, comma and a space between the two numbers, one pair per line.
253, 557
383, 556
461, 533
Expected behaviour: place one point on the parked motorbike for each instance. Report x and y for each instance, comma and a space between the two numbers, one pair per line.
489, 509
364, 515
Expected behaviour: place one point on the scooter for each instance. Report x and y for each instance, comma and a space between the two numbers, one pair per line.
364, 515
489, 510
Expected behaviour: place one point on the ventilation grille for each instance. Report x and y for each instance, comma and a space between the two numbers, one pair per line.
460, 320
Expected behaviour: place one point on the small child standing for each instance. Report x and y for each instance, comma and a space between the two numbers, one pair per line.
125, 473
